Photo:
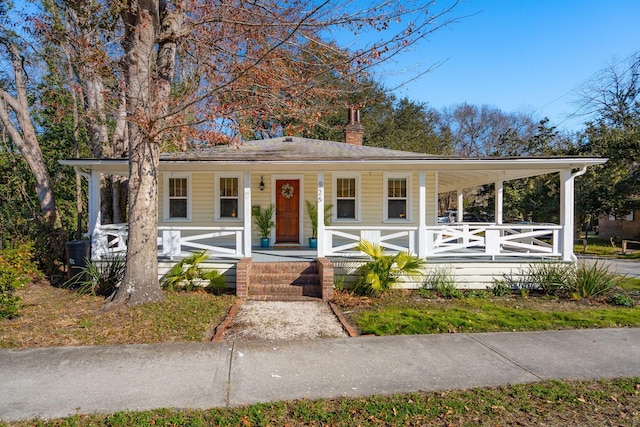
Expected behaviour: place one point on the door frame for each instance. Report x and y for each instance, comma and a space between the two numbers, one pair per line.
301, 213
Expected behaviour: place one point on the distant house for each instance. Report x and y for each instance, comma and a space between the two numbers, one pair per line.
207, 196
623, 227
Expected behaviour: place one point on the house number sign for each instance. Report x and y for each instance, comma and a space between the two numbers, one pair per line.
287, 191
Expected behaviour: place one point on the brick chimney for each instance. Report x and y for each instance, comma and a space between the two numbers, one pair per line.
354, 130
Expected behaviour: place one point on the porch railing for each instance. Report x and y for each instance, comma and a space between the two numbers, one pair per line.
513, 240
217, 241
343, 240
446, 240
463, 239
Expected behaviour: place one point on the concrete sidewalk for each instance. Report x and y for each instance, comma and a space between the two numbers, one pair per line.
57, 382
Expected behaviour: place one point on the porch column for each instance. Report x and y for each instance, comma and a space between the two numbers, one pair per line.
567, 210
422, 215
246, 243
320, 201
460, 211
499, 198
98, 241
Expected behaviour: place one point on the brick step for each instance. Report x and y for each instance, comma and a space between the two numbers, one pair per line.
288, 267
283, 298
285, 290
284, 279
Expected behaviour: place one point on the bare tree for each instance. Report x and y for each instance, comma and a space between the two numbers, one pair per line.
16, 119
478, 130
613, 97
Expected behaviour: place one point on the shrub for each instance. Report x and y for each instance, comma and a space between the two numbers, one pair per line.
98, 278
592, 280
383, 271
550, 277
500, 288
478, 293
442, 281
16, 269
622, 300
187, 274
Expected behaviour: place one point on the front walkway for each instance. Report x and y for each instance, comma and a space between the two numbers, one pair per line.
59, 382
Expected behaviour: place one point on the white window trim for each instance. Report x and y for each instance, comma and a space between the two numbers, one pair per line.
165, 196
334, 196
216, 189
385, 197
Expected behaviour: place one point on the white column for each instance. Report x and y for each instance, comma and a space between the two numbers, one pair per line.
566, 215
422, 215
246, 246
498, 202
320, 201
460, 212
98, 240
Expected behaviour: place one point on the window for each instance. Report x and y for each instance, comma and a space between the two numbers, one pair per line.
397, 197
346, 190
228, 200
228, 197
177, 197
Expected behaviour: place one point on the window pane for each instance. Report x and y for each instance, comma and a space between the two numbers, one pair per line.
229, 187
178, 208
397, 209
228, 208
346, 187
177, 187
397, 187
346, 209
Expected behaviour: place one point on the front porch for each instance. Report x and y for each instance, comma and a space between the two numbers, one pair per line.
474, 253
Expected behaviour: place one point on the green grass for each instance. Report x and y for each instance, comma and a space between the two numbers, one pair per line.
485, 315
630, 284
191, 314
603, 248
548, 403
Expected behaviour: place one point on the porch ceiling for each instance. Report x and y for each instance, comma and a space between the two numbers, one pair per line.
460, 179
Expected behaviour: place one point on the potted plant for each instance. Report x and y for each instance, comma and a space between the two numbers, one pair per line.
312, 210
264, 222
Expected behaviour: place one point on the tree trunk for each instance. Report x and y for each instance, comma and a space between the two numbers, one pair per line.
26, 140
140, 284
120, 144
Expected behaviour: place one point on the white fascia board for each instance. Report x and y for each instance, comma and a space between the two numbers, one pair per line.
548, 164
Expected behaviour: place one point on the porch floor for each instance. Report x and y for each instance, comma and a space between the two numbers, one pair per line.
283, 255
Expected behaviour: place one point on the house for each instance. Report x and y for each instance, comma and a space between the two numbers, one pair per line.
207, 196
623, 227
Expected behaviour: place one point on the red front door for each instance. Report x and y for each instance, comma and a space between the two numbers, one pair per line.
287, 211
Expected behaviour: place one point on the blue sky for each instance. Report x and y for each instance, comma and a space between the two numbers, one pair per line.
522, 55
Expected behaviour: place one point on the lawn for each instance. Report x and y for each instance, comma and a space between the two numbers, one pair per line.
55, 317
603, 248
408, 312
611, 402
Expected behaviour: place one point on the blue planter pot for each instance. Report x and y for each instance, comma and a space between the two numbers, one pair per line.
313, 243
264, 242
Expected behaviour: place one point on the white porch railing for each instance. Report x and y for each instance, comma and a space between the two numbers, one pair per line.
531, 240
446, 240
343, 240
464, 239
217, 241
